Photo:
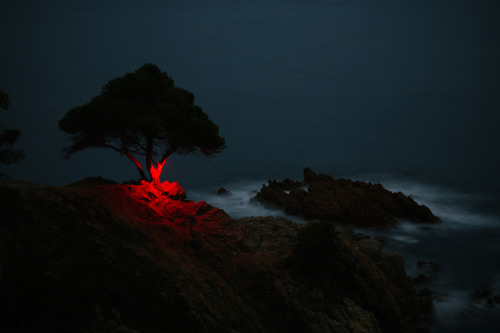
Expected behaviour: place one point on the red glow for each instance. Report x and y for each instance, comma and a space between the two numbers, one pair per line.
165, 204
156, 172
163, 207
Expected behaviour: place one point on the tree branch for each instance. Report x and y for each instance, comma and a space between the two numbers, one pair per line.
131, 157
167, 154
115, 148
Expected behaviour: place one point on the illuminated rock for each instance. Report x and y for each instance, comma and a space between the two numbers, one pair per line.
172, 190
129, 258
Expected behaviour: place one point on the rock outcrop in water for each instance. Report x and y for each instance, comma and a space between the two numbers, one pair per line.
344, 201
131, 258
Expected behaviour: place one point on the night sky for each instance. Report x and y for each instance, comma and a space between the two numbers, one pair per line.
345, 87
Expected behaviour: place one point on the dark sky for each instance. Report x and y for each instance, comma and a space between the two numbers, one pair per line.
339, 85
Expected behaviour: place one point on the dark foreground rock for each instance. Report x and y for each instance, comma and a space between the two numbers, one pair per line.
344, 201
129, 258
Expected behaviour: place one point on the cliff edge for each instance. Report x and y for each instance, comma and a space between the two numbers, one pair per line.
102, 257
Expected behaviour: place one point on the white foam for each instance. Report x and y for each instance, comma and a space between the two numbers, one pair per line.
452, 305
404, 239
449, 205
237, 203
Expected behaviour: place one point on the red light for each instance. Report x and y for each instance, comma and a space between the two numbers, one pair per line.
156, 172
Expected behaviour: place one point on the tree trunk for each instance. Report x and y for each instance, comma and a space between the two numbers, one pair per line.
149, 159
143, 175
137, 164
155, 173
131, 157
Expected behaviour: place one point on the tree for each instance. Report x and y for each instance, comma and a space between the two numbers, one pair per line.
142, 114
8, 138
4, 100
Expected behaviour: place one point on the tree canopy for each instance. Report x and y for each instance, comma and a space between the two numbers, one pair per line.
4, 100
8, 138
142, 114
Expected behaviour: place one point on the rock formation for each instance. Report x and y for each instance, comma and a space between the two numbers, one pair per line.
343, 201
131, 258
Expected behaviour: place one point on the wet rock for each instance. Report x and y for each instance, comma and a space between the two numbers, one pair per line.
421, 279
344, 201
222, 191
430, 266
428, 271
425, 299
486, 294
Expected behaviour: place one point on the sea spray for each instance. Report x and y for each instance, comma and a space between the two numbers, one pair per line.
237, 202
465, 245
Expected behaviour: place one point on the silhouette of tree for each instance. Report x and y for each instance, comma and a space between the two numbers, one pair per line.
4, 100
142, 114
8, 138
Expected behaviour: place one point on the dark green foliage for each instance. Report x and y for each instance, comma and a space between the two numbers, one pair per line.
4, 100
8, 138
142, 113
9, 155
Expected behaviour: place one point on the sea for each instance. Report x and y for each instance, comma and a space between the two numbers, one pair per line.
402, 93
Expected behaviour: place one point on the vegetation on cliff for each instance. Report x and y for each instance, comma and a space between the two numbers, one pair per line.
142, 114
9, 154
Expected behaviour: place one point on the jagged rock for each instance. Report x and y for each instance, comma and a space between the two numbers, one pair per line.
486, 294
222, 191
381, 239
129, 258
344, 201
166, 189
421, 279
428, 271
310, 176
425, 298
430, 267
370, 247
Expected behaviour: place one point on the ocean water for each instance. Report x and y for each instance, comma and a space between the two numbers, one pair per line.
465, 246
405, 93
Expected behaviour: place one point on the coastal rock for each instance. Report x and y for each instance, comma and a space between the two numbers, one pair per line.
370, 247
425, 298
128, 258
486, 294
222, 191
427, 271
343, 201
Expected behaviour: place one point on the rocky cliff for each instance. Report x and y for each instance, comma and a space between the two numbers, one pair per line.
103, 257
343, 201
